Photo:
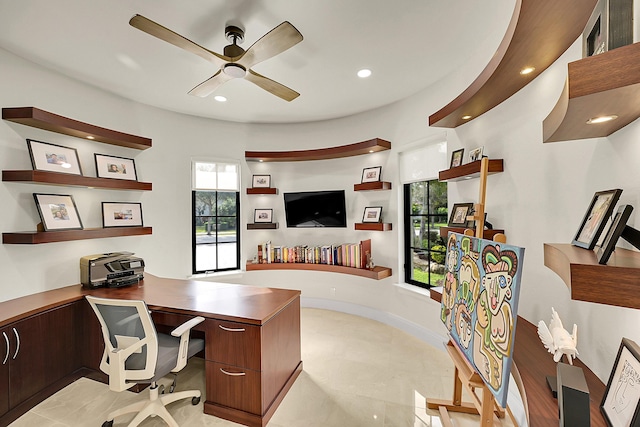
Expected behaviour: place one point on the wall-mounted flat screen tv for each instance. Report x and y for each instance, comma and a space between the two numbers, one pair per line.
315, 209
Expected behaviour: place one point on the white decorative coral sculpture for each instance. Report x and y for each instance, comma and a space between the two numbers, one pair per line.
557, 339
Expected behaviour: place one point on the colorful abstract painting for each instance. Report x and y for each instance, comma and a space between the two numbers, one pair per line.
480, 305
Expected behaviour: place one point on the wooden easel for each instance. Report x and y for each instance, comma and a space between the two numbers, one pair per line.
465, 375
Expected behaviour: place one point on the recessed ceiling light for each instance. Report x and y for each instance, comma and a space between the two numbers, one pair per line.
466, 117
371, 151
220, 98
364, 73
601, 119
90, 137
261, 160
527, 70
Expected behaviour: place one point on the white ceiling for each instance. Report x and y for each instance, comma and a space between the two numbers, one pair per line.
409, 45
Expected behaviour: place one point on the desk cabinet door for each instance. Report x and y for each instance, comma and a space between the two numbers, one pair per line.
236, 388
235, 344
4, 371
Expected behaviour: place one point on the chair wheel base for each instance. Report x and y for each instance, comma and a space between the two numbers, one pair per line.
194, 401
107, 424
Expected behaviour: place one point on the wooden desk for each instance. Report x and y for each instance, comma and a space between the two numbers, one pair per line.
250, 331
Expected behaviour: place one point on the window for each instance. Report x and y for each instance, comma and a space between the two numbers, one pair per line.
216, 226
425, 211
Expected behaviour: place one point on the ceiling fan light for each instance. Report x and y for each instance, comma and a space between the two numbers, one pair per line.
235, 71
220, 98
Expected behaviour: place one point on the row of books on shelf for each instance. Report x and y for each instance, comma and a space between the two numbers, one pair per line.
356, 255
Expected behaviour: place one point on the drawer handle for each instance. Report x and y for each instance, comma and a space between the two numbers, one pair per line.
17, 343
6, 356
233, 374
231, 329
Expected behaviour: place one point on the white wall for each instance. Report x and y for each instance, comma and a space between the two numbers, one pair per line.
540, 197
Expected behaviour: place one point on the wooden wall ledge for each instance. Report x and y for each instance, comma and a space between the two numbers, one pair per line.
359, 148
539, 32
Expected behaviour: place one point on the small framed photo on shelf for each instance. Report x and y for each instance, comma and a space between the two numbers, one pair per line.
371, 174
121, 214
619, 404
595, 218
262, 215
372, 214
476, 154
261, 181
115, 167
459, 213
57, 212
53, 158
616, 228
456, 158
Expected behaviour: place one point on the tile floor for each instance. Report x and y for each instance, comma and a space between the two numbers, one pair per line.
357, 372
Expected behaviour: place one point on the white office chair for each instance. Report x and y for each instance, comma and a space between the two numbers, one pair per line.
135, 353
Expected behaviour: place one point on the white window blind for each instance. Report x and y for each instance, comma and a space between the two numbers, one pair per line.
215, 176
423, 163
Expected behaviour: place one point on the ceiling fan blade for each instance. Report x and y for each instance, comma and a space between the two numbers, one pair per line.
153, 28
208, 86
271, 44
269, 85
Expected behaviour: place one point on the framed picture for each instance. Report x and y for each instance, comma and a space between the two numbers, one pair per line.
459, 213
620, 401
261, 181
372, 214
613, 234
456, 158
371, 174
121, 214
53, 158
476, 154
57, 212
263, 215
115, 167
595, 219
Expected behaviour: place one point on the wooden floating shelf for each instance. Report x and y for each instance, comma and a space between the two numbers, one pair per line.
34, 117
599, 85
64, 179
262, 191
487, 234
540, 31
373, 226
372, 186
614, 284
470, 170
262, 226
377, 273
37, 237
359, 148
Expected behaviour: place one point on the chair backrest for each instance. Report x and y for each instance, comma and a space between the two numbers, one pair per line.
131, 342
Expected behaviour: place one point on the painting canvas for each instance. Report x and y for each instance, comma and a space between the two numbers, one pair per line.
480, 305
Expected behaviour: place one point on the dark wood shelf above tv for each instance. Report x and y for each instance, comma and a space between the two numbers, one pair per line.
262, 191
372, 186
373, 226
600, 85
470, 170
486, 234
262, 226
37, 237
377, 273
614, 284
65, 179
359, 148
34, 117
540, 31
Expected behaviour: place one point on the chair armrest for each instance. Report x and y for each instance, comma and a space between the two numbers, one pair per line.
186, 326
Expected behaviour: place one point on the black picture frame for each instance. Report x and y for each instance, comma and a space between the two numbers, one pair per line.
618, 224
459, 214
57, 212
122, 214
115, 167
372, 214
49, 157
456, 158
627, 364
595, 219
261, 181
371, 174
263, 216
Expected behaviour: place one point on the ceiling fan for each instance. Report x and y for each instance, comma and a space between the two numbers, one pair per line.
235, 62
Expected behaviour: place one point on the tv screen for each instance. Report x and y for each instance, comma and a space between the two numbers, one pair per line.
315, 209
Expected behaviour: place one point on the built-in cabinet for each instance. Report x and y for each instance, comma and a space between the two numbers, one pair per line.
34, 117
5, 356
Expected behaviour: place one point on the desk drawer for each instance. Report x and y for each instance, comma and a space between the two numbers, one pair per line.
234, 387
235, 344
